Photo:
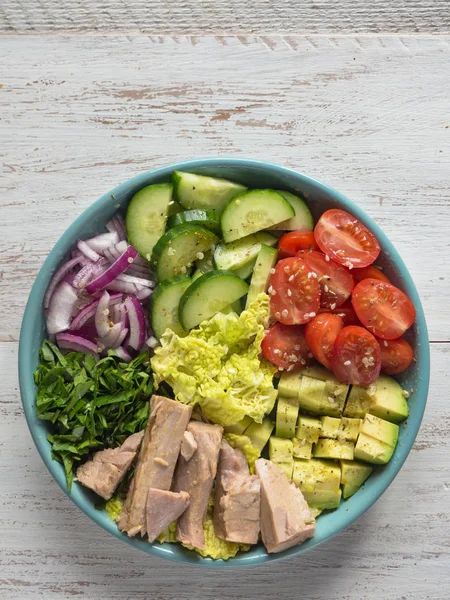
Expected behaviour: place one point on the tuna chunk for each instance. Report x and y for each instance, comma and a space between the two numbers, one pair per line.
237, 498
107, 468
157, 460
162, 509
196, 477
286, 519
188, 445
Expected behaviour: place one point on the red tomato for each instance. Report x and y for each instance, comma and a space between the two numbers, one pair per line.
335, 281
345, 239
290, 243
294, 297
396, 356
346, 312
320, 334
384, 309
369, 273
285, 347
356, 357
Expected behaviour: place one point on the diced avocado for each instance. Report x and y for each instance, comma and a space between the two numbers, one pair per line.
259, 433
353, 475
373, 451
287, 413
317, 373
330, 427
281, 453
239, 427
302, 448
319, 481
380, 430
308, 428
315, 396
349, 429
289, 385
326, 448
384, 399
316, 512
335, 395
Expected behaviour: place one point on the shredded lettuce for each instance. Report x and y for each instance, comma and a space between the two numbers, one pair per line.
218, 366
113, 508
244, 444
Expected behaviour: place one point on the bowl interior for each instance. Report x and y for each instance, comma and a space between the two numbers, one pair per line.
258, 175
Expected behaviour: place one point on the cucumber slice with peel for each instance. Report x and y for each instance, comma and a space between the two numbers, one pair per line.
179, 247
198, 191
205, 218
245, 271
252, 211
164, 305
208, 295
265, 262
147, 216
301, 221
239, 253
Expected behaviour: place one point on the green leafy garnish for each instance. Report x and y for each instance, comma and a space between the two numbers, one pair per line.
90, 404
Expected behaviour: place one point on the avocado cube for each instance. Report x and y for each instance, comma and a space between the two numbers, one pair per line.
318, 373
384, 399
323, 498
322, 397
308, 428
259, 433
353, 475
316, 512
349, 429
381, 430
336, 395
287, 413
302, 448
239, 427
373, 451
289, 384
319, 481
330, 427
326, 448
281, 453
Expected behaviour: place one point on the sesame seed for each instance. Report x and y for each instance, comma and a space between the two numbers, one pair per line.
312, 314
289, 293
385, 343
171, 251
238, 202
297, 347
285, 312
327, 258
277, 315
272, 271
287, 269
130, 260
348, 363
333, 306
406, 393
171, 202
276, 351
200, 255
291, 278
183, 270
147, 256
325, 288
105, 312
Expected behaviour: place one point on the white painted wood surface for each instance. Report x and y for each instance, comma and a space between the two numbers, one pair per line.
369, 115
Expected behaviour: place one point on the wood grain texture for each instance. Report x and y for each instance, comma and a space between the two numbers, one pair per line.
370, 116
400, 549
225, 16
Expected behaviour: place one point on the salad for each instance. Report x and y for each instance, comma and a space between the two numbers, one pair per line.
218, 367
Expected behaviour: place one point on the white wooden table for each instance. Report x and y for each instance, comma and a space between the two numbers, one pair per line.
87, 101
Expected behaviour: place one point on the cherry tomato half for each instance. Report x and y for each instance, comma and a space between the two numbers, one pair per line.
335, 281
285, 347
396, 356
346, 312
294, 297
320, 334
345, 239
356, 357
370, 272
384, 309
290, 243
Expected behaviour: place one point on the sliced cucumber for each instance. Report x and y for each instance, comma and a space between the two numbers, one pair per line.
209, 295
147, 216
234, 307
205, 218
245, 271
252, 211
239, 253
174, 208
301, 221
179, 247
206, 263
198, 191
164, 305
265, 262
197, 273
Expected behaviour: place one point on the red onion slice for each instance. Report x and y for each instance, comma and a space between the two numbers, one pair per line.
59, 275
116, 269
76, 343
136, 317
123, 354
100, 242
144, 293
121, 338
89, 272
102, 318
89, 311
116, 224
152, 342
110, 339
87, 251
138, 281
61, 307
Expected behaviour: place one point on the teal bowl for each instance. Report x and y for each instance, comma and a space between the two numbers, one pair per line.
253, 174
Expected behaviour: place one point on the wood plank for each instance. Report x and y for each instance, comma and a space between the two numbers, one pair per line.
398, 549
367, 115
226, 16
